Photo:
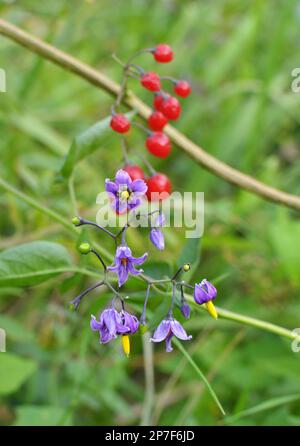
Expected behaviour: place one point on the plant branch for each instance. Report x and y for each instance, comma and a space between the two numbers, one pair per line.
98, 79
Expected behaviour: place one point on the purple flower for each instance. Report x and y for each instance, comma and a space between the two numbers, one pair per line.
112, 323
156, 235
204, 292
109, 326
125, 264
130, 321
185, 310
166, 330
124, 193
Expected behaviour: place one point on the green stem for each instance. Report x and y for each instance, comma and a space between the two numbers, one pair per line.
224, 314
200, 374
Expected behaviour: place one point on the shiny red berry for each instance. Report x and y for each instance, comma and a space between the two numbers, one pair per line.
158, 100
151, 81
159, 187
163, 53
171, 108
134, 171
182, 88
158, 144
119, 123
157, 121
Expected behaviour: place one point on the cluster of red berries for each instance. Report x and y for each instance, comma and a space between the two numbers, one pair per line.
165, 108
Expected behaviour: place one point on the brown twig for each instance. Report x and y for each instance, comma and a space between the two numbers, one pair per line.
98, 79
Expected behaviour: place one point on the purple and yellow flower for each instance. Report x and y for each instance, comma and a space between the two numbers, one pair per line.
112, 324
109, 326
156, 235
168, 328
124, 263
204, 293
124, 193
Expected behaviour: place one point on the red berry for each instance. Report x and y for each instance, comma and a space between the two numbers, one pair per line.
159, 183
163, 53
171, 108
157, 121
119, 123
158, 144
151, 81
158, 100
134, 171
182, 88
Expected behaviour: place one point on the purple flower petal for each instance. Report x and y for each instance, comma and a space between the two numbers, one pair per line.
162, 331
122, 178
94, 324
130, 321
204, 291
179, 331
169, 347
133, 271
123, 273
138, 187
157, 238
139, 260
111, 187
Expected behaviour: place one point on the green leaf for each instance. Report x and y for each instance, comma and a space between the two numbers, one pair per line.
32, 263
85, 144
28, 415
200, 374
14, 371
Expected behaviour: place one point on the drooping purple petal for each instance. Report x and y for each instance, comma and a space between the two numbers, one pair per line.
162, 331
133, 271
123, 273
157, 238
169, 347
179, 331
139, 260
94, 324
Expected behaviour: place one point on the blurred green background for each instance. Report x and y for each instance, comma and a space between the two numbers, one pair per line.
238, 55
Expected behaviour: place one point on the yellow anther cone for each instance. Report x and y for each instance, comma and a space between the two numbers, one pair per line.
126, 344
211, 309
125, 194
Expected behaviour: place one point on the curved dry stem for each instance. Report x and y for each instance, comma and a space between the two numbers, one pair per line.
98, 79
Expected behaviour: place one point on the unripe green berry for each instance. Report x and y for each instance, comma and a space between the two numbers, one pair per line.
84, 248
186, 267
76, 221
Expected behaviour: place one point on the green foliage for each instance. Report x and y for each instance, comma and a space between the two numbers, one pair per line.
14, 371
238, 56
33, 263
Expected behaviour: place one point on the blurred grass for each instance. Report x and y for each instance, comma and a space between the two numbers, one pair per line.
239, 57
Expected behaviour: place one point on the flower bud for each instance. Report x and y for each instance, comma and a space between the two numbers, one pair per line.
84, 248
76, 221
